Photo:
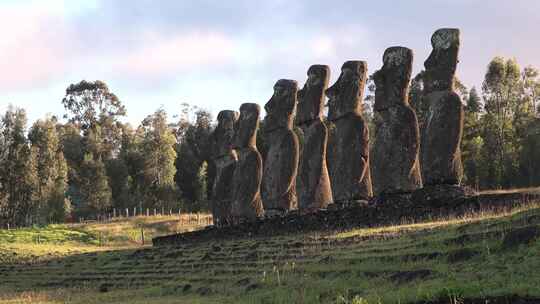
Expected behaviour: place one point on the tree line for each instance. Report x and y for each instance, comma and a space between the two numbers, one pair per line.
90, 161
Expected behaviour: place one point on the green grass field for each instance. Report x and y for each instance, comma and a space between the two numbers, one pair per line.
445, 261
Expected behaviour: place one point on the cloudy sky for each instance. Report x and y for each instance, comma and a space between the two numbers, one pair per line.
219, 54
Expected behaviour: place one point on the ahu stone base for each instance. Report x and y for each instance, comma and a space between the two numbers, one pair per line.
385, 210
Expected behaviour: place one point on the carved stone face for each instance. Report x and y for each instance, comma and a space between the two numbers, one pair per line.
224, 133
247, 125
392, 80
281, 107
346, 95
441, 63
311, 96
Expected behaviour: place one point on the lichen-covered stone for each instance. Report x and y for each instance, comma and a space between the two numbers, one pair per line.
224, 158
313, 182
442, 62
281, 163
441, 152
311, 96
441, 139
395, 155
348, 145
246, 182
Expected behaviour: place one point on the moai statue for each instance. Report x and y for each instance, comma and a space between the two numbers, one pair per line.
441, 138
395, 155
281, 163
348, 145
224, 158
246, 181
313, 182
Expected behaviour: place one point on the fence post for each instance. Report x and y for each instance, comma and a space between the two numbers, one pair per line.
134, 211
162, 211
114, 212
147, 212
155, 211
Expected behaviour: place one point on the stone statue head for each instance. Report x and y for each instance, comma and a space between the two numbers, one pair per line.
281, 107
346, 95
247, 125
392, 80
223, 135
311, 96
441, 63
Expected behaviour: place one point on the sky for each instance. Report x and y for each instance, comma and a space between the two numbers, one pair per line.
220, 54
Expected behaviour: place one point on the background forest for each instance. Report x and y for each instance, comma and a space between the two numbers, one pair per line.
89, 161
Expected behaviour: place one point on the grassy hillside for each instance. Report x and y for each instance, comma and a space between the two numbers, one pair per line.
445, 261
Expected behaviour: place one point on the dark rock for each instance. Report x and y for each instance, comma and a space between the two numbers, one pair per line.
206, 257
348, 144
224, 158
461, 255
441, 138
281, 163
204, 291
389, 210
252, 256
246, 182
395, 156
243, 282
253, 287
105, 287
313, 182
402, 277
441, 195
520, 236
187, 288
327, 260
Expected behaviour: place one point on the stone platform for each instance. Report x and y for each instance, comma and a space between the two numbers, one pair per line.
385, 210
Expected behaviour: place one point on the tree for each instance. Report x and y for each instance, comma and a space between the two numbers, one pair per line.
193, 149
531, 89
501, 90
89, 101
474, 104
17, 170
159, 158
95, 190
51, 167
91, 105
71, 143
417, 100
472, 142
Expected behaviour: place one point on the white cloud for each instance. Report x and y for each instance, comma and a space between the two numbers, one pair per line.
158, 54
32, 45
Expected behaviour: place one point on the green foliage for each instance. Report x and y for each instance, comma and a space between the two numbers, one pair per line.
95, 189
89, 102
18, 175
159, 159
509, 113
51, 170
193, 173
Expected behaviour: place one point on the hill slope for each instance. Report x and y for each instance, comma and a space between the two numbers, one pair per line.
467, 260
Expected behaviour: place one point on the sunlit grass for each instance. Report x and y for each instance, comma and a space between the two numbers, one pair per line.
471, 217
450, 258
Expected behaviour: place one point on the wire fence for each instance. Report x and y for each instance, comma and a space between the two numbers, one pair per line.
191, 219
